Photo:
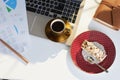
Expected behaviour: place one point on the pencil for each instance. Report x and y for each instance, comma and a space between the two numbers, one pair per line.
13, 50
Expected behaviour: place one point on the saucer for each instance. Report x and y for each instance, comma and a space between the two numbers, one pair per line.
93, 36
62, 37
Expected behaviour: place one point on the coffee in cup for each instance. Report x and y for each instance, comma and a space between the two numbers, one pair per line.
58, 30
57, 26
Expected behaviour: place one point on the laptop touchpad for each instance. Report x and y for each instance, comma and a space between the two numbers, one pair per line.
37, 24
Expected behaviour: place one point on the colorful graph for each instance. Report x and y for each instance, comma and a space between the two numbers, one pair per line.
10, 4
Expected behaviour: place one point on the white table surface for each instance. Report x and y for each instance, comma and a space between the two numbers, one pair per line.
52, 61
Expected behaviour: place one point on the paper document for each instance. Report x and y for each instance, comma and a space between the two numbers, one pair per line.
13, 25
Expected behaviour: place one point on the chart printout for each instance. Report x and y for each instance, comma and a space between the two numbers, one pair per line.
13, 25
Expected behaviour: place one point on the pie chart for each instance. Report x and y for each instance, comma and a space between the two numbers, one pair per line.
10, 4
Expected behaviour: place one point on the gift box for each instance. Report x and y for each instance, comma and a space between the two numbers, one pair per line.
108, 13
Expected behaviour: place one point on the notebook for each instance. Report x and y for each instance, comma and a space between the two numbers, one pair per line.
41, 11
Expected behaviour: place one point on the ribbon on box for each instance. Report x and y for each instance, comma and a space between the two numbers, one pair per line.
109, 12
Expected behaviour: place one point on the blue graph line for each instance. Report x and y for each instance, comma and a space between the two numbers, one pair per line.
16, 29
4, 0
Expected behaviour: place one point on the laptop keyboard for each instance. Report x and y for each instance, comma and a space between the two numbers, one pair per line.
66, 9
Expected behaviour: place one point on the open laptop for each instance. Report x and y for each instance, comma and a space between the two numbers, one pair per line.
41, 11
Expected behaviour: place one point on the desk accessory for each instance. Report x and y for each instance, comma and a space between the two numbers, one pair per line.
14, 51
76, 51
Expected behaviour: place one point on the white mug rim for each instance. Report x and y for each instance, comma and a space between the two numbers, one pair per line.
55, 20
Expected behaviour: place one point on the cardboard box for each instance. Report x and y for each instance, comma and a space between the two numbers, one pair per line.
108, 13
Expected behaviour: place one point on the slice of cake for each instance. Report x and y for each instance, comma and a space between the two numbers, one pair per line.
93, 50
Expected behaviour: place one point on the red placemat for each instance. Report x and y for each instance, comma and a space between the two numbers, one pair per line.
92, 36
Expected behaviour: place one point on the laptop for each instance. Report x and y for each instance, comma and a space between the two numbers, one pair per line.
40, 12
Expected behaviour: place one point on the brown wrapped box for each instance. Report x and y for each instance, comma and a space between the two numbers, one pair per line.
108, 13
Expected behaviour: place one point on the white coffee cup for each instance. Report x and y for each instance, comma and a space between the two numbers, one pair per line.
57, 26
